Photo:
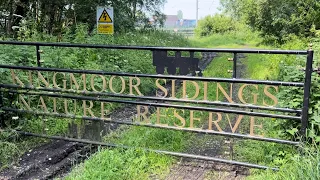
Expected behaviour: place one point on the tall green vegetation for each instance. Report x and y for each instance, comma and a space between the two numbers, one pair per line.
287, 25
292, 24
277, 20
215, 24
12, 145
53, 17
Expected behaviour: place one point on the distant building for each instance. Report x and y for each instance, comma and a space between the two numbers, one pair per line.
172, 21
187, 23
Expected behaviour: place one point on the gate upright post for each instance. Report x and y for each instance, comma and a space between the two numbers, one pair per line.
235, 59
2, 123
306, 95
38, 55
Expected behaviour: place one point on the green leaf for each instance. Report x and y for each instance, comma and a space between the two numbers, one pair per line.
292, 131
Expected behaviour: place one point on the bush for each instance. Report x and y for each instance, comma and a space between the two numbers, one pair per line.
290, 70
215, 24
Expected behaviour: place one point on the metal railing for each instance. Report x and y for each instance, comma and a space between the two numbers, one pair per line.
199, 105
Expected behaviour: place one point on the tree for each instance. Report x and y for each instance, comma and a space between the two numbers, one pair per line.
53, 17
215, 24
180, 14
277, 19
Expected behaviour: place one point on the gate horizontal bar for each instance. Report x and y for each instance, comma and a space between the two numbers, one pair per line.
193, 156
152, 48
89, 98
247, 81
249, 106
200, 131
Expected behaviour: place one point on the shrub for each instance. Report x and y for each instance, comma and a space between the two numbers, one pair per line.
290, 70
215, 24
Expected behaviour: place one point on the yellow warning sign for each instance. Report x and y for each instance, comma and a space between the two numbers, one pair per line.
105, 20
104, 17
105, 28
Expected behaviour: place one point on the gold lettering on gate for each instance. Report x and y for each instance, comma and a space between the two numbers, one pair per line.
15, 79
123, 85
104, 83
181, 118
173, 88
236, 125
159, 115
271, 96
24, 102
54, 80
55, 105
42, 104
219, 115
229, 97
43, 80
240, 94
73, 80
66, 105
104, 111
163, 89
192, 119
87, 109
253, 125
184, 90
143, 115
136, 86
205, 91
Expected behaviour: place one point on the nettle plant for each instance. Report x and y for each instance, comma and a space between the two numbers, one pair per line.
292, 97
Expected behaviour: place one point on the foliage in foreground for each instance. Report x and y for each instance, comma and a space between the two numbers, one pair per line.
54, 17
298, 167
216, 24
132, 163
157, 165
121, 164
293, 165
277, 20
77, 58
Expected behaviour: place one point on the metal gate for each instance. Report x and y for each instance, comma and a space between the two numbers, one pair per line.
178, 68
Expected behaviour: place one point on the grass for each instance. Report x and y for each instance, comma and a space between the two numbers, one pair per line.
76, 58
117, 163
227, 40
163, 139
177, 141
271, 154
144, 137
298, 167
132, 163
294, 166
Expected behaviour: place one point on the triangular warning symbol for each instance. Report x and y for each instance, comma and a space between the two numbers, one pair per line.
104, 17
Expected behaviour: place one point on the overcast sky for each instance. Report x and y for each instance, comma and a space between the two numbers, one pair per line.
188, 7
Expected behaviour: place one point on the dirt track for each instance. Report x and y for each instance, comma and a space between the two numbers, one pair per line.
213, 146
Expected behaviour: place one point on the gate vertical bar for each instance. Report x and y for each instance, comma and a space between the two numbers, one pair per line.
38, 55
235, 59
306, 96
2, 123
